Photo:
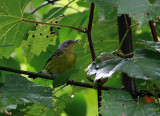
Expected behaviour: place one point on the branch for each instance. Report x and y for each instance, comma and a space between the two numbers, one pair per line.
153, 30
88, 30
70, 82
37, 22
27, 73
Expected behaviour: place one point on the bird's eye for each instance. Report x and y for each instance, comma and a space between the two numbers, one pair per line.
68, 43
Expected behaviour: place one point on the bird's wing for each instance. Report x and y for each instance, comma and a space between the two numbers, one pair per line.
57, 53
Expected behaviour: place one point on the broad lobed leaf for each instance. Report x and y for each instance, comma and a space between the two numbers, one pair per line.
140, 10
12, 29
38, 41
145, 65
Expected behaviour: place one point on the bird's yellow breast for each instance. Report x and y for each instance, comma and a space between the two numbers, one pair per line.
61, 63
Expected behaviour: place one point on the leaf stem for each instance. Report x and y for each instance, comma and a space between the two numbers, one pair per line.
125, 35
75, 28
58, 10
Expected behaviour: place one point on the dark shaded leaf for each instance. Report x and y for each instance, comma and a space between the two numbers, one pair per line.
120, 103
18, 90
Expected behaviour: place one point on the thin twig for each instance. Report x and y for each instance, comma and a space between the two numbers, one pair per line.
58, 11
72, 82
75, 28
124, 37
153, 30
133, 25
43, 4
27, 73
126, 21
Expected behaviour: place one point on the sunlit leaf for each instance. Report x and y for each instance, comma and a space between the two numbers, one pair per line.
38, 41
12, 30
145, 64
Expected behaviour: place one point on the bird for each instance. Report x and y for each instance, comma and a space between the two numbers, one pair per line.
61, 61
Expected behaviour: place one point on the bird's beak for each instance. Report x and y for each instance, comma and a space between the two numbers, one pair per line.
75, 41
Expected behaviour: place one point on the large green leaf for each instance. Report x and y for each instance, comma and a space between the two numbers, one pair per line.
145, 64
12, 29
140, 10
108, 8
18, 90
121, 103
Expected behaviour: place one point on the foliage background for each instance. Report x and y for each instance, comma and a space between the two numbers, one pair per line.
26, 53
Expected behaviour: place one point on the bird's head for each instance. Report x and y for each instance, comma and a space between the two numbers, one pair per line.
68, 45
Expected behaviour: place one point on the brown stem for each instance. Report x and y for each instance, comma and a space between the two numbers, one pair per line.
72, 82
27, 73
88, 30
153, 30
99, 88
75, 28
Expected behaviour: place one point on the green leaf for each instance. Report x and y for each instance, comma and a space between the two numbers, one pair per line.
61, 102
38, 41
63, 78
140, 10
13, 30
157, 27
18, 90
120, 103
151, 44
145, 64
137, 9
108, 8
